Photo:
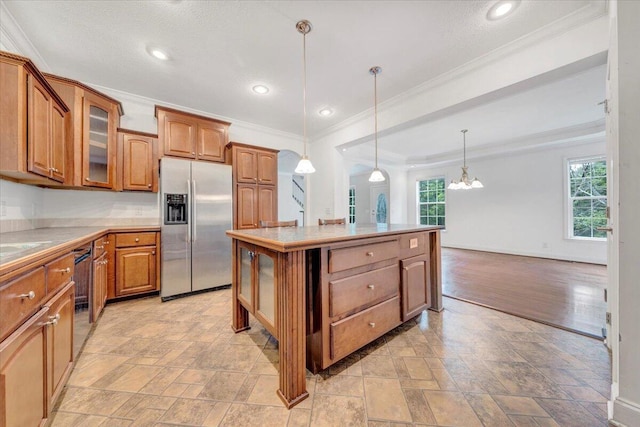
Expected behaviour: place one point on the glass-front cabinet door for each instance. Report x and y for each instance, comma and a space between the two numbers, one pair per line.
245, 276
266, 289
99, 136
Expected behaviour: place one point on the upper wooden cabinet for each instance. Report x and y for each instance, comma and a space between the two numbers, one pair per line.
95, 118
34, 126
137, 161
255, 179
191, 136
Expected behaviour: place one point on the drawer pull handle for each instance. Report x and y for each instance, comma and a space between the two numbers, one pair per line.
53, 320
371, 287
65, 270
369, 253
99, 247
372, 324
137, 239
30, 295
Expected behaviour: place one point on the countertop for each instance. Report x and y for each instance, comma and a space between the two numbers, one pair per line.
20, 248
285, 239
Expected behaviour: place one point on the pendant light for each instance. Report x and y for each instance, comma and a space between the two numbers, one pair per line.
376, 175
464, 183
304, 165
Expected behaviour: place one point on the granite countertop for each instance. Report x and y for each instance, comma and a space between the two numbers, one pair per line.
286, 239
24, 247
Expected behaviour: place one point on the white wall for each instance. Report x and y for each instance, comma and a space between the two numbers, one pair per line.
288, 209
522, 209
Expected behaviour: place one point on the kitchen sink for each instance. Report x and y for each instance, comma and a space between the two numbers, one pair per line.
7, 249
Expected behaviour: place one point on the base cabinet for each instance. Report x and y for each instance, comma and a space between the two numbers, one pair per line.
99, 297
135, 270
23, 384
416, 292
60, 341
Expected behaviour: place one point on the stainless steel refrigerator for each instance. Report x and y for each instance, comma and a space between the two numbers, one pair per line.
196, 211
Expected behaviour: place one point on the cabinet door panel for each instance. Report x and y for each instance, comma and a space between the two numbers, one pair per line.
267, 203
58, 144
267, 168
245, 163
99, 138
416, 292
265, 291
247, 201
99, 289
60, 340
23, 391
212, 138
39, 128
135, 270
179, 136
137, 160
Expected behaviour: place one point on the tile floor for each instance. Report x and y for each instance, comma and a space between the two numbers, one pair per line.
149, 363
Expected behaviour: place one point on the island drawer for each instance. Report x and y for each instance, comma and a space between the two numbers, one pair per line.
59, 272
124, 240
363, 290
19, 299
413, 244
355, 256
355, 331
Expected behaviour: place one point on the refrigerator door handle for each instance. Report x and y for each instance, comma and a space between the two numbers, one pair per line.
193, 209
189, 203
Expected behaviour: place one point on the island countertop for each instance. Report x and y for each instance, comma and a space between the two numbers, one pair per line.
287, 239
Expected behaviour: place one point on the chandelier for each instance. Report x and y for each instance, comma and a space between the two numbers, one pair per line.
376, 175
304, 166
464, 183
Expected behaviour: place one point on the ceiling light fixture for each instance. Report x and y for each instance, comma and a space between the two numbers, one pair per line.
260, 89
304, 165
376, 175
464, 183
158, 53
325, 112
501, 9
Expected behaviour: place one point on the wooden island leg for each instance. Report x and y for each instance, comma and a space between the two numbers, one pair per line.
436, 271
240, 315
290, 323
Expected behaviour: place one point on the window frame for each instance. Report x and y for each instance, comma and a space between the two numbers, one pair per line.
443, 203
569, 227
350, 205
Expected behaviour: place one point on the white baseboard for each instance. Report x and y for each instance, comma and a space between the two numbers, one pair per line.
625, 413
526, 253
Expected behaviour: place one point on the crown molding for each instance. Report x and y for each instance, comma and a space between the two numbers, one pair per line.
16, 40
590, 12
132, 97
586, 133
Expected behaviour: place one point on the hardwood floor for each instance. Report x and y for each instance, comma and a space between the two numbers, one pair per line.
559, 293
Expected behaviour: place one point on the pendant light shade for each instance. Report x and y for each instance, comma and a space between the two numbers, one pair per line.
376, 175
465, 183
304, 165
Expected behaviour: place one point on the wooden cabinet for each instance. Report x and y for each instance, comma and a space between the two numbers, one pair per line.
136, 265
35, 121
257, 278
137, 161
92, 140
186, 135
60, 341
100, 278
23, 382
416, 289
255, 179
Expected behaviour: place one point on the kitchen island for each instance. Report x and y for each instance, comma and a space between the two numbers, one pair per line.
325, 291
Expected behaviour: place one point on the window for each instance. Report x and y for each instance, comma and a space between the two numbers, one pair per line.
352, 205
587, 197
431, 201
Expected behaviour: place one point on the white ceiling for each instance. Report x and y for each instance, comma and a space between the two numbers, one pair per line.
220, 49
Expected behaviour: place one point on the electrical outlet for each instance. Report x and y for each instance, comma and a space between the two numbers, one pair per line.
3, 208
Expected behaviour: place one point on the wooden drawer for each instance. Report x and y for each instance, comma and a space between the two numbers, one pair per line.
351, 333
58, 273
413, 244
99, 246
356, 256
19, 299
363, 290
124, 240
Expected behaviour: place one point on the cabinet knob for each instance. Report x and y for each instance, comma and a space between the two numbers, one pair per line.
199, 154
87, 179
65, 270
149, 185
369, 253
193, 152
53, 320
30, 295
99, 247
371, 287
137, 239
372, 324
153, 252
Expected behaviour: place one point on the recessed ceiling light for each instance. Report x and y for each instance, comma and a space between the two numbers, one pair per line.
502, 9
260, 89
344, 149
158, 53
325, 112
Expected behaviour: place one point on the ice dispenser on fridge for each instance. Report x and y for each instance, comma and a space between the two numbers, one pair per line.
175, 209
